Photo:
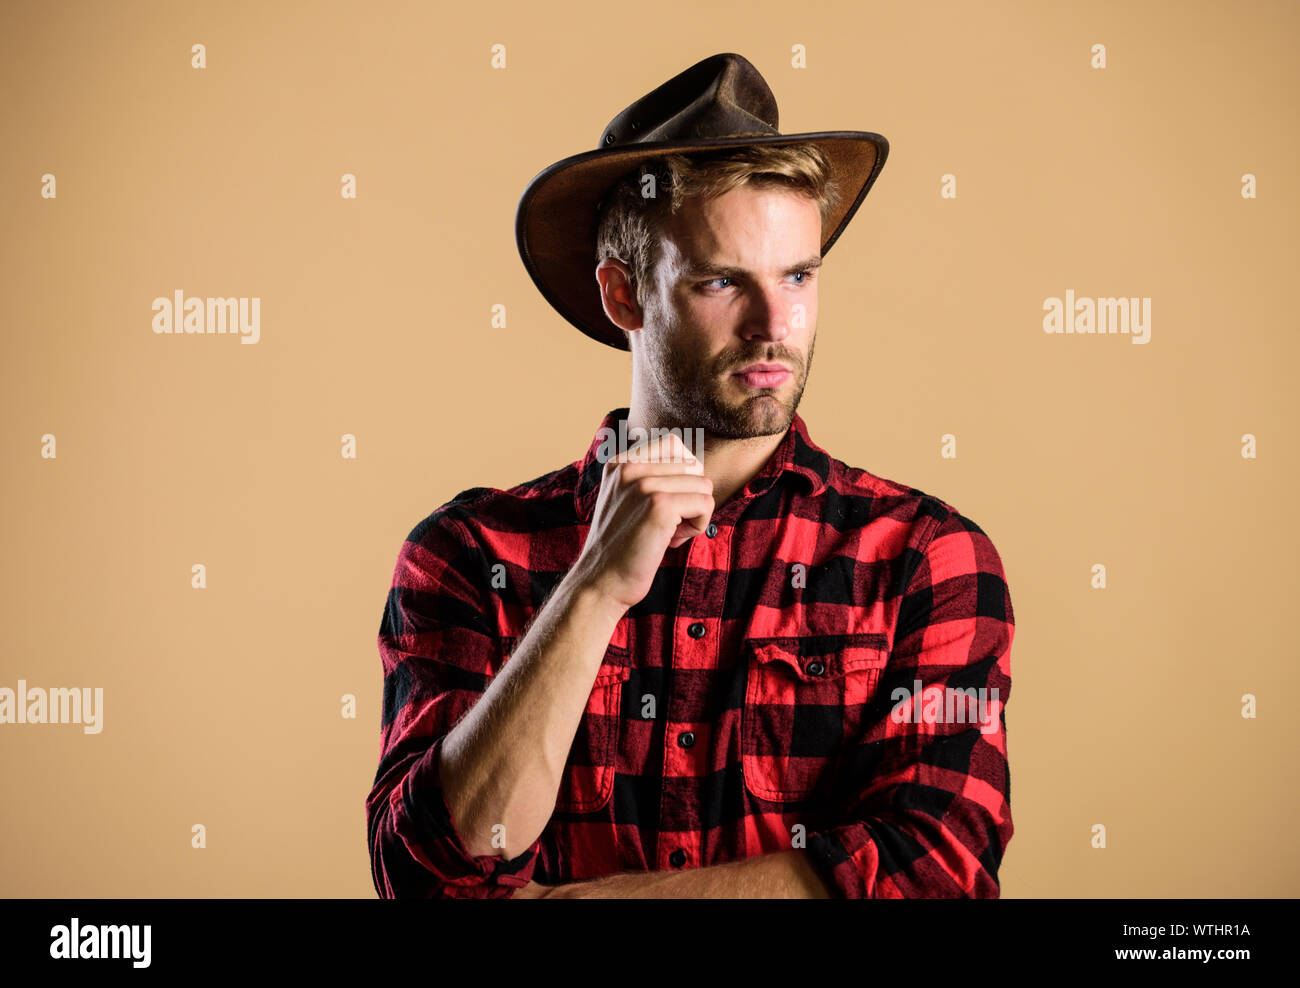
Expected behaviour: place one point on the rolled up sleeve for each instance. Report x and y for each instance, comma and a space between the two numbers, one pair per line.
439, 650
928, 811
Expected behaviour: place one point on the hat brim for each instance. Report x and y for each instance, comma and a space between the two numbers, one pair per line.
555, 222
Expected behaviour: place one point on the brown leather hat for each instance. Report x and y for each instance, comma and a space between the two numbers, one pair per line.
720, 102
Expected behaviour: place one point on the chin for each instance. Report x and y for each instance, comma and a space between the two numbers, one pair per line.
768, 411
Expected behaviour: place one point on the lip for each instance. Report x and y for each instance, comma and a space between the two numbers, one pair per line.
763, 375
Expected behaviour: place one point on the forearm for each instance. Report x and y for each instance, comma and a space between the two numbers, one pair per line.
779, 875
503, 762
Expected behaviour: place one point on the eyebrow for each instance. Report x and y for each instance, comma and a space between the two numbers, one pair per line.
697, 269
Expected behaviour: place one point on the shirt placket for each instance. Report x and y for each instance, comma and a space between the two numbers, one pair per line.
688, 742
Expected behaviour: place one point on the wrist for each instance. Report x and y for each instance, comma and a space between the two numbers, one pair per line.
588, 596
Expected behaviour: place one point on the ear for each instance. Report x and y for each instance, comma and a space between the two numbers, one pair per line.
614, 279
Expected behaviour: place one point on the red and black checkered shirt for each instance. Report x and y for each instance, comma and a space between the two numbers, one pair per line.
826, 668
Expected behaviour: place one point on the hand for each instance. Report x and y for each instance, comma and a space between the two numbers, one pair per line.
652, 497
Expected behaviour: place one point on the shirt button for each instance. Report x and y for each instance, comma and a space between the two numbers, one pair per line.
815, 668
712, 530
677, 858
696, 630
686, 739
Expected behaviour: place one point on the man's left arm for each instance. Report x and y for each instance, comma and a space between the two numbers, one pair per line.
932, 815
779, 875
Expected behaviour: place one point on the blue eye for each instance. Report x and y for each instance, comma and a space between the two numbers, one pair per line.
723, 282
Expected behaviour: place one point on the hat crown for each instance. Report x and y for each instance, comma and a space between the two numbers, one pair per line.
721, 96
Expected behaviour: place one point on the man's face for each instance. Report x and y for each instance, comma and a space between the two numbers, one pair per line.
736, 284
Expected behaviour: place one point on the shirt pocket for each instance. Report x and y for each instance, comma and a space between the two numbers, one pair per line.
587, 782
805, 700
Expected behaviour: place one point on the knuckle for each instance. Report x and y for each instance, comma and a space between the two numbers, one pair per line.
660, 506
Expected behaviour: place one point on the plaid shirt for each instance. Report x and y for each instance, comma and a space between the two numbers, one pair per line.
790, 681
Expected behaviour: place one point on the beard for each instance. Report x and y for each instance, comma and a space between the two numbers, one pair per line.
699, 394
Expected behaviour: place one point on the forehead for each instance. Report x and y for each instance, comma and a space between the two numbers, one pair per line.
745, 225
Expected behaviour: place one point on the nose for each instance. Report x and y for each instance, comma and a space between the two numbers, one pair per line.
769, 315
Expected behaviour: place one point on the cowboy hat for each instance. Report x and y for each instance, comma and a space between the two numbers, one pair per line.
720, 102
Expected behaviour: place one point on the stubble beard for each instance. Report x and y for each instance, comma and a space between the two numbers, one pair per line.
694, 395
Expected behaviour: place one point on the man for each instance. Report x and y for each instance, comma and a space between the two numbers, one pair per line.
679, 669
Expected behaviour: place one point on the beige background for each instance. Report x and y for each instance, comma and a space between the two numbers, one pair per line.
222, 706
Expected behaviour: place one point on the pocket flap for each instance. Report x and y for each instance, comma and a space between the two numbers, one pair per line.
818, 657
616, 666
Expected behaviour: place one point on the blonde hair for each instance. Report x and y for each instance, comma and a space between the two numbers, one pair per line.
629, 223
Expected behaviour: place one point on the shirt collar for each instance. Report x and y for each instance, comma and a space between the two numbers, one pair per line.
796, 455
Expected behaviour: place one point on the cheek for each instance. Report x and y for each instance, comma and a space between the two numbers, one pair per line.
703, 310
803, 314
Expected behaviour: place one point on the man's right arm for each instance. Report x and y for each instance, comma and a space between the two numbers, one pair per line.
473, 757
463, 749
502, 764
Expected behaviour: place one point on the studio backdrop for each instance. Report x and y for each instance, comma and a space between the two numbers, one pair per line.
1066, 308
